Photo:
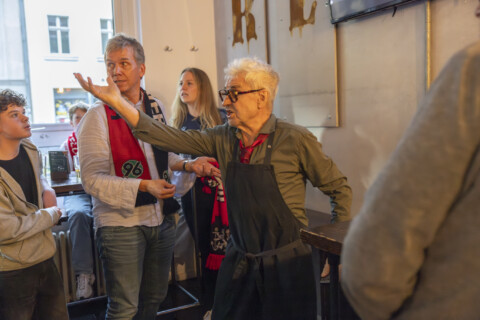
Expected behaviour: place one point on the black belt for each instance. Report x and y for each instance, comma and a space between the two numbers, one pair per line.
255, 258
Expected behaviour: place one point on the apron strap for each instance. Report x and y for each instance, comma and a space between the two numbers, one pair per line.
255, 258
268, 253
235, 151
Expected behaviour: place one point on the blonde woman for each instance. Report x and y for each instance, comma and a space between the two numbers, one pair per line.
195, 108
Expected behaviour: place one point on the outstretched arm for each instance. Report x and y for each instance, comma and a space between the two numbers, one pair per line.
111, 95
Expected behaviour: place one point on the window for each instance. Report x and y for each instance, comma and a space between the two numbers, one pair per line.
106, 29
58, 32
14, 72
65, 98
37, 39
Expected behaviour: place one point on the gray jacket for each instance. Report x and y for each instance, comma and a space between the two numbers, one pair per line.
412, 252
25, 235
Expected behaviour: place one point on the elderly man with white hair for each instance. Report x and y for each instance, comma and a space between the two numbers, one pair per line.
267, 272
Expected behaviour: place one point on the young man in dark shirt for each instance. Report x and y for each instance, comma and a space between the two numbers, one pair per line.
30, 284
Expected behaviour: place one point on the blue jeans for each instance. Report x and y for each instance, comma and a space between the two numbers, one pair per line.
80, 219
136, 263
35, 292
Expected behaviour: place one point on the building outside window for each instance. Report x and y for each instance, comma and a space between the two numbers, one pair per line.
65, 98
14, 71
59, 34
42, 43
106, 29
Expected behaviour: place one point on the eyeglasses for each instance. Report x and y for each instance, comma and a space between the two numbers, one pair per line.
233, 94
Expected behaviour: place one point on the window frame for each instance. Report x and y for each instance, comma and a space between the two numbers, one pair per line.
108, 31
59, 30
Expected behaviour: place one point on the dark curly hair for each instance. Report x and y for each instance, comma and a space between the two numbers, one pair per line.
9, 97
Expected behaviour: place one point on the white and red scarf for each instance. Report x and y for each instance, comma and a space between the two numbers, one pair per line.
72, 144
219, 230
128, 157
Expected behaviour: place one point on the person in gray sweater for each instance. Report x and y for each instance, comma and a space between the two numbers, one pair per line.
30, 284
411, 251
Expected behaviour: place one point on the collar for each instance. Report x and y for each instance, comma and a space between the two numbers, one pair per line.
139, 104
267, 128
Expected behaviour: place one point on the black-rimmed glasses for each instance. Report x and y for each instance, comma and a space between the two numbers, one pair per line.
233, 94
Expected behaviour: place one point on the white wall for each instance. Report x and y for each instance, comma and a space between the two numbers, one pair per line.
382, 64
180, 25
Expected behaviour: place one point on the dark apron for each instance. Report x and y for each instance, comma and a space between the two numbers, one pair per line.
267, 272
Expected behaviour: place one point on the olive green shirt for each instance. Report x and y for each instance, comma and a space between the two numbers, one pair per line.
296, 156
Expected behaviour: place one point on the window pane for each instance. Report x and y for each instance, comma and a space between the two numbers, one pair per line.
53, 42
105, 38
20, 24
103, 23
64, 99
64, 21
52, 21
65, 42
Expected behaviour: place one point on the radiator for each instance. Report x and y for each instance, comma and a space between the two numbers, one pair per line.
63, 261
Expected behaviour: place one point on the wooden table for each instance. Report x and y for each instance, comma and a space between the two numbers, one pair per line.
327, 240
68, 187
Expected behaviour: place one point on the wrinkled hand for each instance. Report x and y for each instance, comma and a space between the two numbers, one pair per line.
202, 167
109, 94
49, 198
159, 188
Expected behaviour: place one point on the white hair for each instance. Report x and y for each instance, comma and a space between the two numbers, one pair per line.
258, 74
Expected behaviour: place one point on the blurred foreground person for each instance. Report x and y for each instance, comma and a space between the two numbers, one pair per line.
412, 250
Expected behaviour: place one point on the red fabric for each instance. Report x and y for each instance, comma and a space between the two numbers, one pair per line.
128, 157
72, 144
220, 210
219, 224
214, 261
246, 152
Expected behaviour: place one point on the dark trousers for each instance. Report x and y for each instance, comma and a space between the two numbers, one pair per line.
204, 208
35, 292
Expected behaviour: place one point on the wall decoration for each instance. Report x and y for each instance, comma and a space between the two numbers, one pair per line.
297, 39
296, 14
244, 28
237, 15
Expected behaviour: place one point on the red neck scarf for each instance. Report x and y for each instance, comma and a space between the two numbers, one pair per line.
246, 152
128, 158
